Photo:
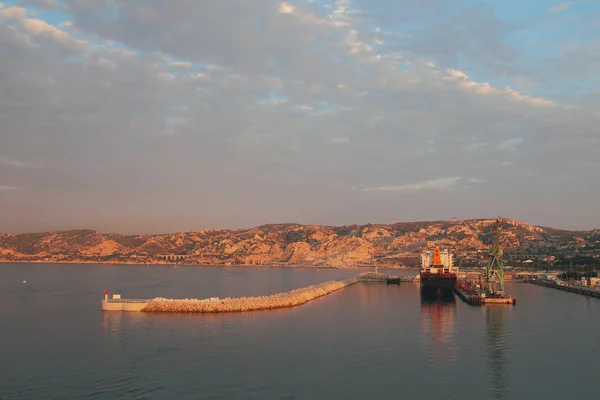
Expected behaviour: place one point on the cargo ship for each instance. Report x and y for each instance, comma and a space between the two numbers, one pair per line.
437, 271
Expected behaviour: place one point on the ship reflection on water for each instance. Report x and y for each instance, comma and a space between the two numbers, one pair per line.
437, 326
433, 296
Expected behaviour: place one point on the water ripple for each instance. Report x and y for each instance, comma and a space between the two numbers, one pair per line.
370, 341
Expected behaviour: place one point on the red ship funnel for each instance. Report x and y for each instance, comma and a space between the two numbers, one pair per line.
437, 258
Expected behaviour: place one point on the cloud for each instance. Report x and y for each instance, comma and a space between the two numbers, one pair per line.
577, 61
42, 4
6, 188
286, 8
339, 140
12, 13
161, 116
486, 89
510, 144
475, 146
415, 187
181, 64
42, 28
38, 28
475, 34
17, 164
559, 8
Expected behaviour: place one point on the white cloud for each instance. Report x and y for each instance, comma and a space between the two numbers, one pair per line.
12, 14
38, 27
43, 4
17, 164
103, 62
476, 146
305, 17
6, 188
415, 187
286, 8
486, 89
559, 8
181, 64
304, 107
66, 24
339, 140
511, 144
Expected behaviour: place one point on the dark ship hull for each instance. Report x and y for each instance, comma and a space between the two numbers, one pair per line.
438, 281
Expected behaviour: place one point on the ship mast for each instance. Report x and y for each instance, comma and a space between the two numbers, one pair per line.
495, 267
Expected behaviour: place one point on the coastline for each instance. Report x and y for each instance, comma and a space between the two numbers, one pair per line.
203, 265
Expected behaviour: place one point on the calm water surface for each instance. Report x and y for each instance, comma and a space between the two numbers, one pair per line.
369, 341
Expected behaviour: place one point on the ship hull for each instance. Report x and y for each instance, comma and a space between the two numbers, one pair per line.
438, 281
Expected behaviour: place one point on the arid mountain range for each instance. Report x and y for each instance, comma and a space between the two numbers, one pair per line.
396, 245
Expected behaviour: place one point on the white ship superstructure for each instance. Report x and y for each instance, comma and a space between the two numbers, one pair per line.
446, 262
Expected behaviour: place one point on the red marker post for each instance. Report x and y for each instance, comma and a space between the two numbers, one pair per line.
105, 294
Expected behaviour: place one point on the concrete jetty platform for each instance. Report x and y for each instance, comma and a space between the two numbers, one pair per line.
474, 297
124, 304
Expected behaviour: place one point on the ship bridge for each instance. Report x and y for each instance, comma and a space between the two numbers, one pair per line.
437, 260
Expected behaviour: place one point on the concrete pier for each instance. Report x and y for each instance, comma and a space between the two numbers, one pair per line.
124, 304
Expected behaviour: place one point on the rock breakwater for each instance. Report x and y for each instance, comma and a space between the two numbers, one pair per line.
239, 304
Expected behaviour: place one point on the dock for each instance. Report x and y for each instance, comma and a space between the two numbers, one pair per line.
474, 297
504, 299
573, 289
467, 293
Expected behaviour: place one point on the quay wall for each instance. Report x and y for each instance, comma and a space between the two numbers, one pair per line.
287, 299
573, 289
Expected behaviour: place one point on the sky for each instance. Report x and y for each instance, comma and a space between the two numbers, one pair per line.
158, 116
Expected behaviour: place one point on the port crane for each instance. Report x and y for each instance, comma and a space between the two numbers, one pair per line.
494, 271
495, 268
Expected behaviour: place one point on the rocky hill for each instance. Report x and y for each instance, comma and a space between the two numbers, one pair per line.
292, 244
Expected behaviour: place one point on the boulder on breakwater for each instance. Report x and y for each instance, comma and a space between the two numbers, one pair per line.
287, 299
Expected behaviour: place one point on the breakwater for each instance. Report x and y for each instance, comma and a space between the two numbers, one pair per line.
292, 298
573, 289
237, 304
233, 304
